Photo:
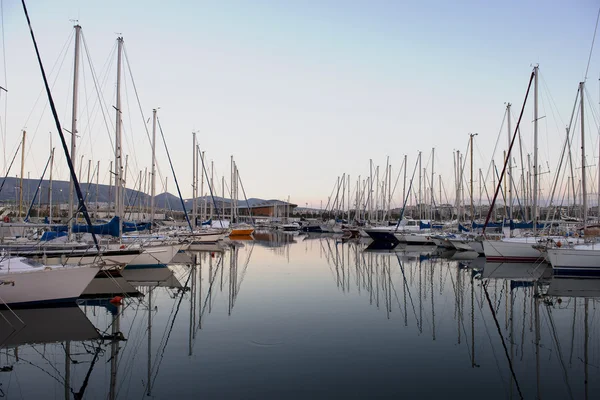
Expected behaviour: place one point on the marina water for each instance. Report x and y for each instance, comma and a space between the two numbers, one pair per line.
292, 316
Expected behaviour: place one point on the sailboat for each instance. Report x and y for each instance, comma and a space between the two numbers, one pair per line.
25, 282
579, 259
521, 249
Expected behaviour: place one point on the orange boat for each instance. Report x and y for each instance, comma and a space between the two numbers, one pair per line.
241, 230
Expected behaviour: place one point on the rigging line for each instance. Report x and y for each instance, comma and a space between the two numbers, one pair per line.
246, 198
592, 47
487, 173
60, 56
551, 98
211, 191
187, 218
460, 317
396, 182
129, 134
243, 275
408, 290
512, 371
59, 129
10, 166
210, 287
136, 347
5, 79
37, 189
407, 194
487, 331
169, 334
567, 144
592, 110
79, 395
42, 369
86, 134
140, 106
99, 93
512, 142
559, 351
31, 139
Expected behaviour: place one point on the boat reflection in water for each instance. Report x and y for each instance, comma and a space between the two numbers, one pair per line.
219, 322
518, 318
43, 341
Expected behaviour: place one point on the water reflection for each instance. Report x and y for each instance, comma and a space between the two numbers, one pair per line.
516, 316
320, 317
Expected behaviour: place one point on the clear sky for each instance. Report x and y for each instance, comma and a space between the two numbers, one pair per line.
301, 92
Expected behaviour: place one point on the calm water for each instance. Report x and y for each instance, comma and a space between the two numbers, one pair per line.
289, 316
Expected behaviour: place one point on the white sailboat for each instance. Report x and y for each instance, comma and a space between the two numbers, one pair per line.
584, 259
24, 282
521, 249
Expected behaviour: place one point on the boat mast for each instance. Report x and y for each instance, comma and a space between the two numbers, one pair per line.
404, 183
212, 184
118, 141
389, 203
110, 185
22, 173
432, 183
377, 194
509, 175
97, 186
232, 178
153, 170
114, 352
50, 189
457, 183
370, 198
462, 188
348, 198
471, 148
583, 180
149, 369
203, 208
74, 123
194, 178
420, 179
535, 150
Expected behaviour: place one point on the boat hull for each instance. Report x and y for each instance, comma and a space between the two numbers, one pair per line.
572, 262
207, 237
499, 251
415, 240
156, 256
45, 286
382, 235
241, 232
111, 258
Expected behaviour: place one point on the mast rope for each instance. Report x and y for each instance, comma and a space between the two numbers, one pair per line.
510, 365
592, 47
187, 218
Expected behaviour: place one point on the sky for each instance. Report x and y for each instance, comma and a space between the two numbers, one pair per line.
300, 93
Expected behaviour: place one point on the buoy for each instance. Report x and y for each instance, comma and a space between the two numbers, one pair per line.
212, 255
559, 244
122, 247
116, 300
6, 219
